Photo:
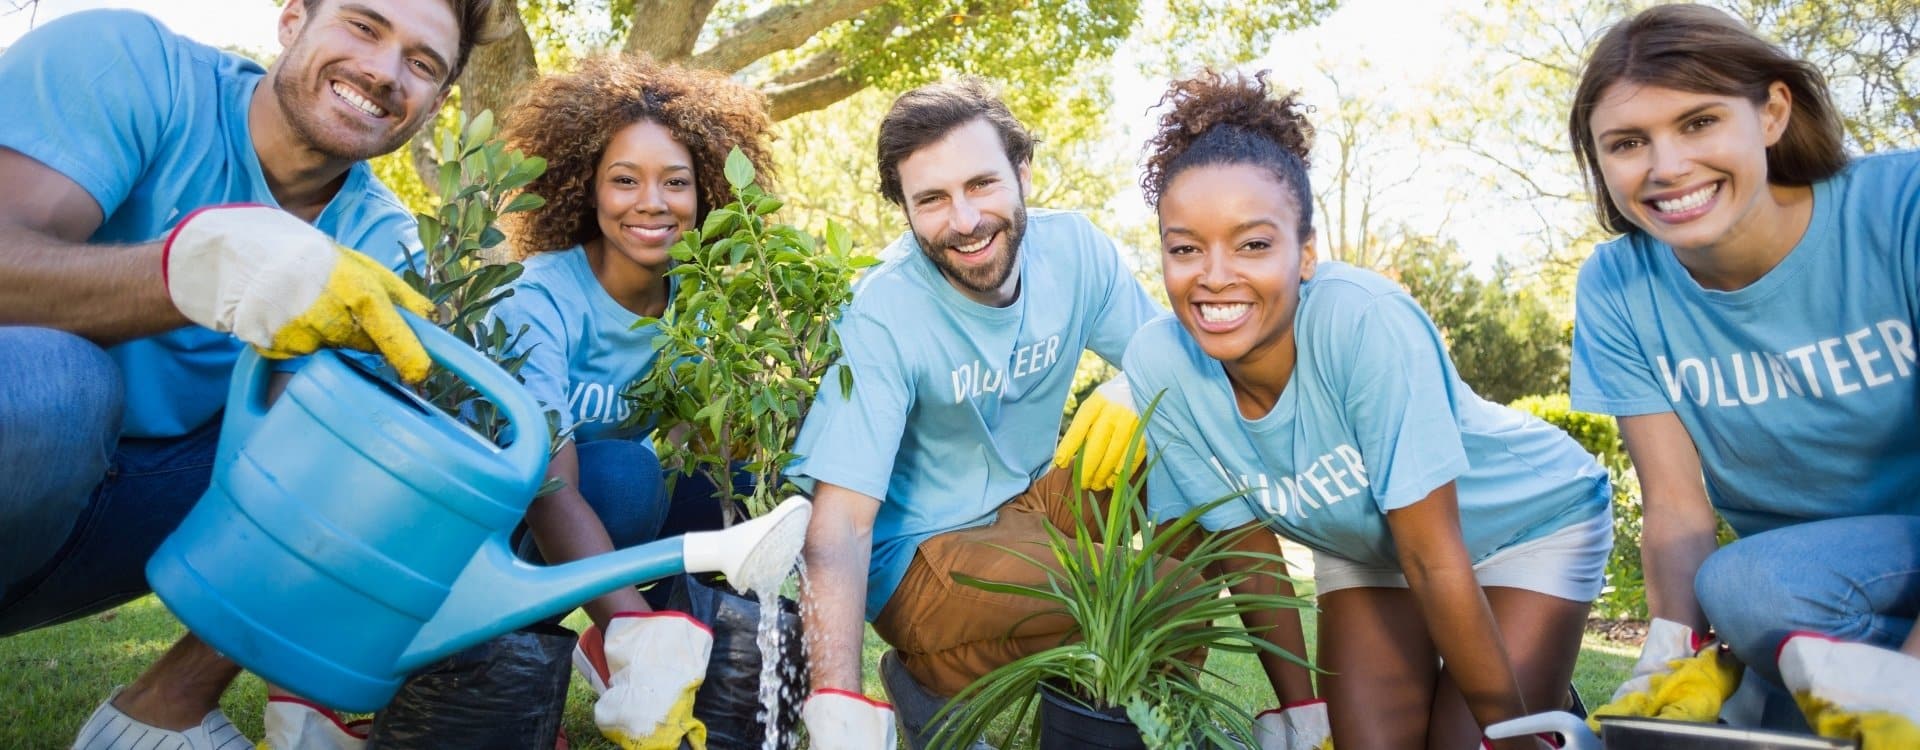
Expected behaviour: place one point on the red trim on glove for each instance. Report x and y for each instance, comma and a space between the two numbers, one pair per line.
1780, 649
862, 697
1285, 707
661, 613
365, 725
166, 248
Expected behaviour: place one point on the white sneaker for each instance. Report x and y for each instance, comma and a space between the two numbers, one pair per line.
109, 729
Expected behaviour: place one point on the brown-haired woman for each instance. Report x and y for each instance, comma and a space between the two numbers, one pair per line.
636, 153
1456, 543
1753, 329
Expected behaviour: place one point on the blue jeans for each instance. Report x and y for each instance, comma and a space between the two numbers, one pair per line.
1856, 579
81, 510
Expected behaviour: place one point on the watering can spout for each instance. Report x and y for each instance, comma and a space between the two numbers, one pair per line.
498, 592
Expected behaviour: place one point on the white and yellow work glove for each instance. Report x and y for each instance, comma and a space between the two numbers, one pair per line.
1103, 424
845, 720
1299, 726
1680, 675
283, 286
295, 724
1853, 691
655, 663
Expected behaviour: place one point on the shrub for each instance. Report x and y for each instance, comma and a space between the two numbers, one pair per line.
1625, 593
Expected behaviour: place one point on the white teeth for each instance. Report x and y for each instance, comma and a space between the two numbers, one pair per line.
1689, 201
1223, 313
972, 247
359, 102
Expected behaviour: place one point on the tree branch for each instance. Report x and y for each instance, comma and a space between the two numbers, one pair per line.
820, 64
799, 98
667, 29
778, 28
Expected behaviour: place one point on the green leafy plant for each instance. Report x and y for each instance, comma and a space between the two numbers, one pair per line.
745, 339
480, 181
1145, 601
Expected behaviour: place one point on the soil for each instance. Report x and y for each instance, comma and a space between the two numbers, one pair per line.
1623, 632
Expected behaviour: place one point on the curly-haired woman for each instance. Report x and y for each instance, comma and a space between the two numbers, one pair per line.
1456, 543
635, 155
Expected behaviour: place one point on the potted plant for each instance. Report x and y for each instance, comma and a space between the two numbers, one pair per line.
745, 339
480, 180
1145, 602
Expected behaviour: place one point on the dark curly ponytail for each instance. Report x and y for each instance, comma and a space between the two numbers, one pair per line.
1230, 118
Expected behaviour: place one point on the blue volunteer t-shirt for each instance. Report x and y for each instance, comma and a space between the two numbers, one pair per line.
1799, 390
1373, 419
153, 126
956, 406
582, 349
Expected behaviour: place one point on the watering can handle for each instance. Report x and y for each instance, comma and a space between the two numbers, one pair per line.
530, 446
247, 394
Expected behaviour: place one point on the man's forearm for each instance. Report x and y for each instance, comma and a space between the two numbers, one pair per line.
105, 293
834, 602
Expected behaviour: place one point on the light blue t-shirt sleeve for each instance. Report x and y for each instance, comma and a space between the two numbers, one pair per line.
545, 371
851, 439
1400, 400
1609, 374
1126, 308
80, 102
1179, 477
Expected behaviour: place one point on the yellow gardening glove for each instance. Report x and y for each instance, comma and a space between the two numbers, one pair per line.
1102, 425
655, 663
1679, 676
1853, 691
283, 286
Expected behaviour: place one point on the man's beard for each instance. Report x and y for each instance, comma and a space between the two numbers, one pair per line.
983, 279
301, 107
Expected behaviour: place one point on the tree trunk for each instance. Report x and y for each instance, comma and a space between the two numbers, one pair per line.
667, 29
496, 71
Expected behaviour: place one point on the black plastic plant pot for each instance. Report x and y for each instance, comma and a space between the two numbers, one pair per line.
1634, 733
729, 701
1069, 724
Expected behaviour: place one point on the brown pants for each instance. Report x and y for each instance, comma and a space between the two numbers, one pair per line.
949, 634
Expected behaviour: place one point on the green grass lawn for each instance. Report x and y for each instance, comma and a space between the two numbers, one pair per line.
51, 679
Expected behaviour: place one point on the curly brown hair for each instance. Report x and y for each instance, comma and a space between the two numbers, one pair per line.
569, 118
1230, 118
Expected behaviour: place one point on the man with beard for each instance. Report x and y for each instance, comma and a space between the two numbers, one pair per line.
163, 195
962, 346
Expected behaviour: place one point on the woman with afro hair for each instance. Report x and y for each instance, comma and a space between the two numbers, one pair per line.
636, 153
1456, 543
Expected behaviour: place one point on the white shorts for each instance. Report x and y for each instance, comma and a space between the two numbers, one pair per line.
1570, 563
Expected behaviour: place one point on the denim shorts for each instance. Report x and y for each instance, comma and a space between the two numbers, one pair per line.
1570, 564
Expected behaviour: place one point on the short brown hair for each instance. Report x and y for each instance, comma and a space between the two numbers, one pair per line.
568, 119
477, 23
1703, 50
927, 114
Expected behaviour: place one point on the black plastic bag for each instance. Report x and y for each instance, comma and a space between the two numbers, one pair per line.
506, 694
729, 700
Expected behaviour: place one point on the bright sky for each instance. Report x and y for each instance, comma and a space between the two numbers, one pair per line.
1382, 50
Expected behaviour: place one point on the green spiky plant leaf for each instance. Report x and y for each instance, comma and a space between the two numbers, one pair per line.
1140, 610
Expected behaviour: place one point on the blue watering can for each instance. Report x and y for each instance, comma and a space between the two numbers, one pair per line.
354, 533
